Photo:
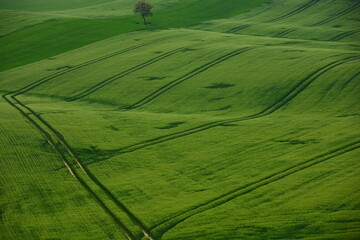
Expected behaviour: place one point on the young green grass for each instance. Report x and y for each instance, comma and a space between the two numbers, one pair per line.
237, 128
313, 20
39, 199
48, 5
51, 38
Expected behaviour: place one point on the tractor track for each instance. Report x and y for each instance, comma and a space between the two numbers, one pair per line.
185, 77
111, 79
13, 101
84, 64
266, 7
63, 142
28, 26
340, 14
27, 112
294, 12
349, 80
170, 223
236, 29
282, 34
292, 93
17, 104
67, 164
343, 35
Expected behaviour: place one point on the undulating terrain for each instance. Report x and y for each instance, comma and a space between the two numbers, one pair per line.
221, 119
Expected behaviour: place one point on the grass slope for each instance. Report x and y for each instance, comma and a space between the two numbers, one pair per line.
35, 42
39, 199
206, 132
313, 20
48, 5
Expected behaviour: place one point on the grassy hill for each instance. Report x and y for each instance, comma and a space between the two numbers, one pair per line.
31, 36
219, 121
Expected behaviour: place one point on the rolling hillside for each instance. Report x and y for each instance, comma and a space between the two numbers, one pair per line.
230, 120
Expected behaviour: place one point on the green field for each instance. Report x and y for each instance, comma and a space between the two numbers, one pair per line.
222, 119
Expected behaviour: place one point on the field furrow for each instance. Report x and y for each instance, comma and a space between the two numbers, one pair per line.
16, 104
284, 33
187, 76
300, 87
294, 12
235, 29
343, 35
81, 65
124, 73
340, 14
218, 119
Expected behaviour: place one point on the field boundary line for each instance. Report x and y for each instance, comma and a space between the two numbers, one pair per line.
62, 141
71, 170
17, 104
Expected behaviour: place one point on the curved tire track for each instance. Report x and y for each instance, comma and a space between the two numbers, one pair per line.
72, 171
349, 80
291, 94
170, 223
342, 13
236, 29
185, 77
343, 35
111, 79
282, 34
296, 11
23, 109
84, 64
13, 101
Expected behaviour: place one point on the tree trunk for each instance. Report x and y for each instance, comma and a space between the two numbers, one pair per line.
144, 20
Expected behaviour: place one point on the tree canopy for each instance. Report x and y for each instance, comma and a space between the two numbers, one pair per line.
144, 9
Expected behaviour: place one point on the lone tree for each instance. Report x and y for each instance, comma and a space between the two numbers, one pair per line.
144, 9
